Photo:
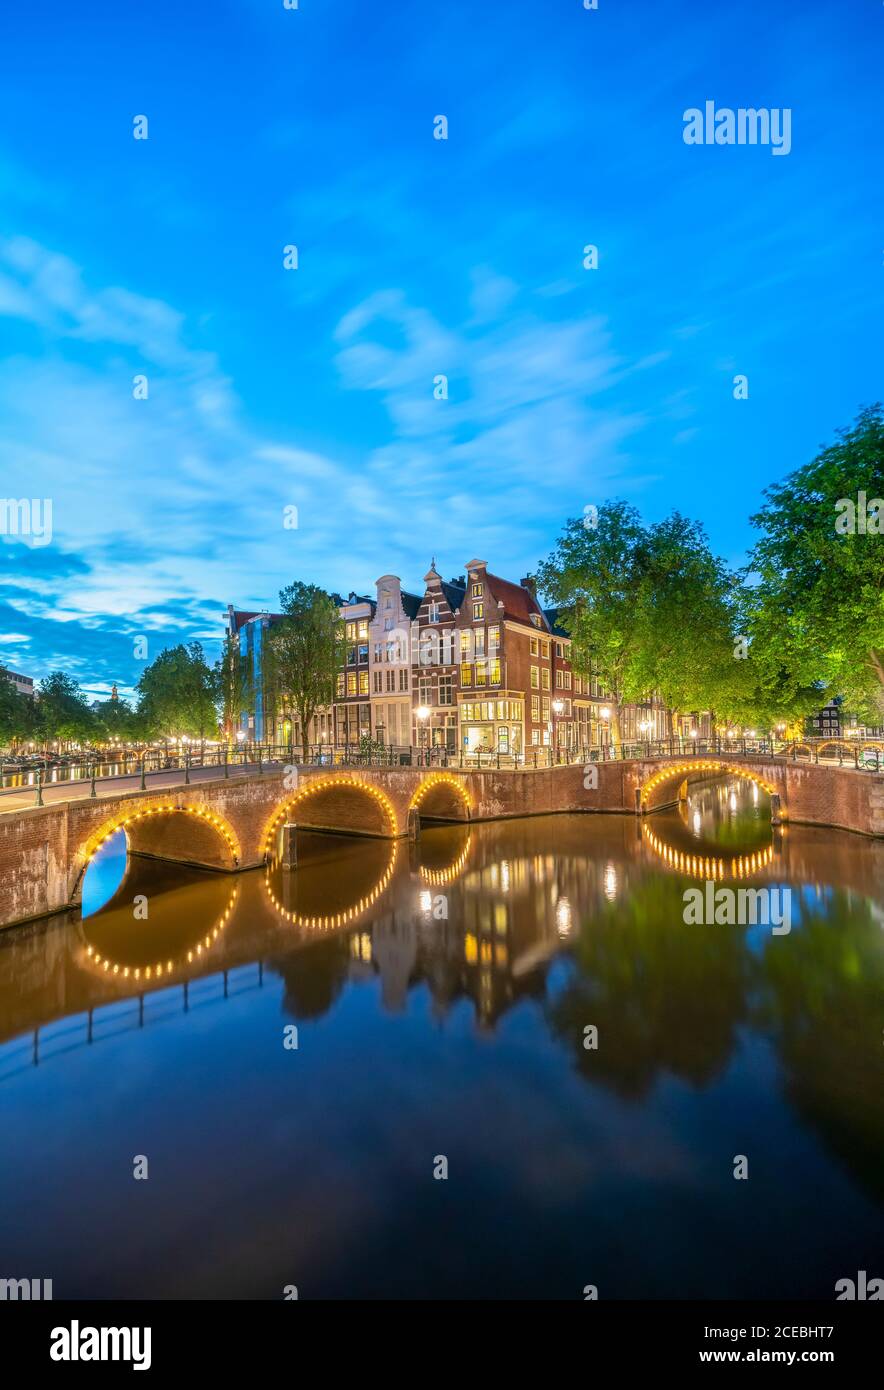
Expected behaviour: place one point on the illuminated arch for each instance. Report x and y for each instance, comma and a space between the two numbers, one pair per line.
440, 779
284, 810
439, 877
100, 837
107, 968
707, 765
334, 920
707, 866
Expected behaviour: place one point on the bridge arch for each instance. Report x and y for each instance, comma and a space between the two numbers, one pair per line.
134, 956
442, 796
210, 841
339, 802
680, 771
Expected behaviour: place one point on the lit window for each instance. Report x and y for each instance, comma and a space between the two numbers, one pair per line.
495, 673
535, 709
351, 683
480, 672
533, 644
545, 677
466, 675
477, 590
363, 682
493, 638
478, 612
535, 678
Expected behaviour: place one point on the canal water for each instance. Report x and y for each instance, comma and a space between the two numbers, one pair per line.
293, 1057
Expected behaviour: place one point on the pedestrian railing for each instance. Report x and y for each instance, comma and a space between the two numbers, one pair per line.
39, 774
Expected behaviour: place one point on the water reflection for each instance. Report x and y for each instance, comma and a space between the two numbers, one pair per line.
453, 980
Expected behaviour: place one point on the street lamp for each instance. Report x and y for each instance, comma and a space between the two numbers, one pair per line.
557, 707
422, 712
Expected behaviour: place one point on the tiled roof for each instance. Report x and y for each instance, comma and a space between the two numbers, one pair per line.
518, 603
410, 603
454, 595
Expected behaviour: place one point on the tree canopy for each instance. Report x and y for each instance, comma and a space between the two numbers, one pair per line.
178, 694
304, 651
816, 613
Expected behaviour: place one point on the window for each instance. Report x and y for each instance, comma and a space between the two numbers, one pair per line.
377, 652
480, 672
535, 709
445, 688
493, 638
495, 672
363, 653
479, 639
391, 680
535, 736
376, 681
534, 645
560, 650
478, 612
388, 625
466, 644
403, 679
535, 618
567, 709
558, 680
433, 615
477, 590
340, 684
425, 691
363, 682
535, 678
351, 656
567, 680
351, 683
545, 646
350, 630
545, 714
466, 675
544, 678
388, 602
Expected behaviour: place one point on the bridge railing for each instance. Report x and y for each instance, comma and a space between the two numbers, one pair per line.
91, 768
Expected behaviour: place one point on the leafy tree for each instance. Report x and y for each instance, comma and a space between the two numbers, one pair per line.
649, 608
236, 683
304, 652
16, 711
63, 712
178, 694
817, 613
114, 719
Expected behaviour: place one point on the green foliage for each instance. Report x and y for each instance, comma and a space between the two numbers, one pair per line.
649, 608
236, 683
304, 651
178, 694
63, 712
816, 615
114, 719
17, 712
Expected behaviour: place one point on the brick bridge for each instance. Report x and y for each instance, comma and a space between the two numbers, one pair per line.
237, 823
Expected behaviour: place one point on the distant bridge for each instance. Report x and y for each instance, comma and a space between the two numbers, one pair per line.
234, 823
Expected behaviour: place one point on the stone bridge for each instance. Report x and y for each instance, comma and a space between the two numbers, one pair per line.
233, 824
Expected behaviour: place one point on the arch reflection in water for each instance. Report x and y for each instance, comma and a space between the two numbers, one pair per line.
721, 830
338, 879
105, 872
160, 921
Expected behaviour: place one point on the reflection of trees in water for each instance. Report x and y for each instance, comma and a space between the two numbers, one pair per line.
664, 996
823, 1003
735, 814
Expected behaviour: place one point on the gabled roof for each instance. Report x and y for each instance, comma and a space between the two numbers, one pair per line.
454, 595
410, 603
518, 602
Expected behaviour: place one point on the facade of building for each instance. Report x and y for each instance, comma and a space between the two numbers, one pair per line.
474, 664
826, 723
23, 684
390, 633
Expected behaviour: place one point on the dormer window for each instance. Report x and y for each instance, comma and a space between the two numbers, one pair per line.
535, 618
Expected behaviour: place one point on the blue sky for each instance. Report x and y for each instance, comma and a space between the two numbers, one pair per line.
313, 388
